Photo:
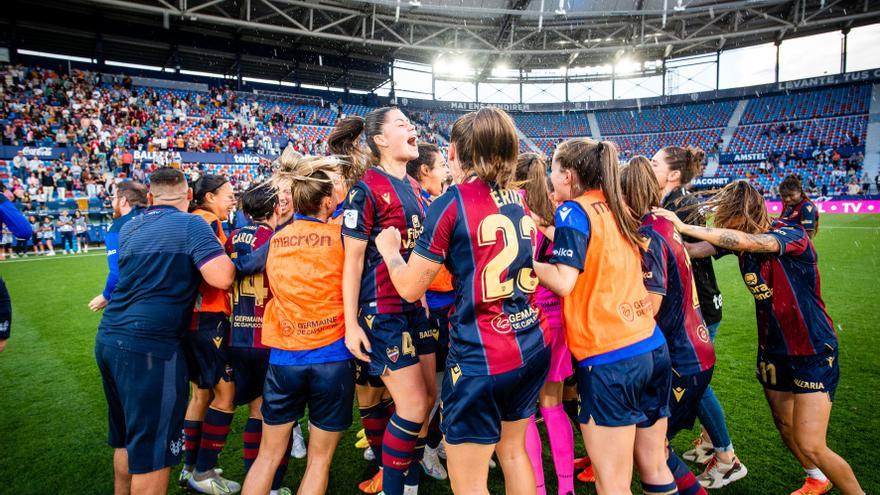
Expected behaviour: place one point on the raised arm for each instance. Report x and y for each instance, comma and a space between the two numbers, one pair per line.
733, 240
411, 279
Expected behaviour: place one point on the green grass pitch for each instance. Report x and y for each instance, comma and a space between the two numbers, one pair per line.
53, 415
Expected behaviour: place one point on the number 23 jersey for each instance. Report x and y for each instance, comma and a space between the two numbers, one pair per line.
485, 237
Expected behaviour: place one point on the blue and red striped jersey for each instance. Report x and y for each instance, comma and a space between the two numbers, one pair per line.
485, 237
788, 302
250, 293
378, 201
804, 214
667, 272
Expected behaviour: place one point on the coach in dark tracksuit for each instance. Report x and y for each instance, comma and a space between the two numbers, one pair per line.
21, 228
164, 254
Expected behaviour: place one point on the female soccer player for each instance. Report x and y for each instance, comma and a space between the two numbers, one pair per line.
798, 207
498, 357
670, 283
385, 331
675, 167
531, 171
431, 172
206, 348
624, 374
797, 345
304, 325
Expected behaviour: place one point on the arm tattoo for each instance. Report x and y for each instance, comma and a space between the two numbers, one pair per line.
764, 241
728, 241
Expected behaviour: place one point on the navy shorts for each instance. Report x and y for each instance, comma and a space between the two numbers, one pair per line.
800, 374
473, 407
206, 347
687, 392
397, 340
363, 377
632, 391
249, 367
146, 398
439, 321
326, 388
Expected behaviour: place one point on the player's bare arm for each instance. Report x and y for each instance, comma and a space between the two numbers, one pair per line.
219, 272
558, 278
730, 239
410, 279
355, 339
700, 249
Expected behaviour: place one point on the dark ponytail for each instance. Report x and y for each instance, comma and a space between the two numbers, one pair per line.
204, 185
345, 142
688, 161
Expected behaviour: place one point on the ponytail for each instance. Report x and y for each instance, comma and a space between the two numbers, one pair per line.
596, 166
308, 178
345, 142
531, 171
688, 161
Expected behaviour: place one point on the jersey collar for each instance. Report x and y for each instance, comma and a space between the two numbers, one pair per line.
297, 216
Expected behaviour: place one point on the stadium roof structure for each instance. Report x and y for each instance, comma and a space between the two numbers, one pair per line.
351, 43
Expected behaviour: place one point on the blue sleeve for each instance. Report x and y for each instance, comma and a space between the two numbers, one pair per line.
253, 262
654, 268
572, 236
203, 242
14, 220
112, 243
793, 241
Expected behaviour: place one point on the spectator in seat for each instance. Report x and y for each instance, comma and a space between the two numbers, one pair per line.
853, 188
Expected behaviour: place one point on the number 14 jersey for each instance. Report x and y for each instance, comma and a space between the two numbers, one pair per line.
485, 237
250, 293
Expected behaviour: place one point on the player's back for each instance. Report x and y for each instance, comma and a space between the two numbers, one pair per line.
679, 315
250, 293
158, 274
496, 327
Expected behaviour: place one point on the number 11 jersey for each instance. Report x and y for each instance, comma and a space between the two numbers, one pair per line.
485, 237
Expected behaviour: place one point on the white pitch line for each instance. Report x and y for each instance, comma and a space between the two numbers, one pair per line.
56, 257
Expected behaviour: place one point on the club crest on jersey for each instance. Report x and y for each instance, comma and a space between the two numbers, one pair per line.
393, 353
703, 333
350, 218
368, 319
679, 393
455, 374
386, 197
218, 341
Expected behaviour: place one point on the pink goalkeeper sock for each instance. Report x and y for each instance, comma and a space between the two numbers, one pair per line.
533, 447
561, 445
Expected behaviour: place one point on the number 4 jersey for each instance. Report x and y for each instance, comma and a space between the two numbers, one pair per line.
485, 237
250, 293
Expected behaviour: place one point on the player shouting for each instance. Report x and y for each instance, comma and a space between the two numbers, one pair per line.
389, 333
498, 357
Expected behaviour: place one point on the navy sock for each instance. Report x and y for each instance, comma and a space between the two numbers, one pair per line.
414, 474
684, 479
435, 436
192, 435
399, 443
252, 435
669, 489
214, 432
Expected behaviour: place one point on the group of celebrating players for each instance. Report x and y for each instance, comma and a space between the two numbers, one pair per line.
453, 312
